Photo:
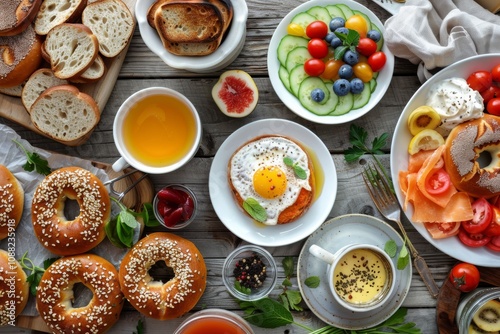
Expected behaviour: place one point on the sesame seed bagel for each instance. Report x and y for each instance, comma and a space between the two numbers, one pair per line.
14, 288
163, 300
17, 15
464, 145
11, 202
53, 230
55, 295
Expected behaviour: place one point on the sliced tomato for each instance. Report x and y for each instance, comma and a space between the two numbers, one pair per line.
438, 182
442, 230
493, 228
494, 244
473, 240
483, 215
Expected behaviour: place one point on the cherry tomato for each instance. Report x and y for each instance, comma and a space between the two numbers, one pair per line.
317, 47
314, 67
493, 229
437, 182
377, 61
317, 29
480, 80
332, 69
442, 230
363, 71
366, 46
483, 214
490, 93
495, 73
493, 106
295, 29
464, 276
358, 23
473, 240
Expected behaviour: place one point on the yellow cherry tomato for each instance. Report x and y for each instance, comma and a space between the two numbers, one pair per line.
295, 30
363, 71
331, 71
358, 23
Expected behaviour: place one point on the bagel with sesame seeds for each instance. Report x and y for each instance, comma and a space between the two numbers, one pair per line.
79, 235
14, 288
55, 296
156, 299
11, 202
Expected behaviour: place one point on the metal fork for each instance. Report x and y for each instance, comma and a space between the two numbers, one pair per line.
386, 203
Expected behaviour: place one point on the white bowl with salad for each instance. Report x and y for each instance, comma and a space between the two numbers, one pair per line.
304, 61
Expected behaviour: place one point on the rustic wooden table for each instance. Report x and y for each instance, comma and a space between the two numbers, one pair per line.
142, 69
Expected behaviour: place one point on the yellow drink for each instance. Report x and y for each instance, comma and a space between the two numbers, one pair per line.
159, 130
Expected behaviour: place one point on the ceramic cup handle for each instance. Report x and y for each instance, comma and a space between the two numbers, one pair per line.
322, 254
120, 165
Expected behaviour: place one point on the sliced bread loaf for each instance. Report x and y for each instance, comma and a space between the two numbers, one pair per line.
112, 23
71, 48
37, 83
13, 91
65, 114
54, 12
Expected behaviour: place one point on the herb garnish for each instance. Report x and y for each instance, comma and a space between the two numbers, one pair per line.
139, 327
35, 162
349, 42
391, 249
299, 171
254, 209
36, 272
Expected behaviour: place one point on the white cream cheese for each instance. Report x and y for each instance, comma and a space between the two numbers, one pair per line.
455, 102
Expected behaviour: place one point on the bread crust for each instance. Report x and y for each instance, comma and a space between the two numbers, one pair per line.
14, 286
17, 15
55, 294
175, 297
54, 12
11, 202
37, 83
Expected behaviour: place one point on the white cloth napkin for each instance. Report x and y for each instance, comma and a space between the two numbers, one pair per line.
437, 33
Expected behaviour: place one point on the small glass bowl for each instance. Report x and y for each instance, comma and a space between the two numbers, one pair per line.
187, 191
206, 318
243, 253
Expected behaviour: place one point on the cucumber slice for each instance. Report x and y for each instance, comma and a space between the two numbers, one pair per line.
297, 75
346, 10
306, 87
297, 56
335, 11
344, 105
373, 84
287, 44
362, 98
284, 77
320, 13
303, 19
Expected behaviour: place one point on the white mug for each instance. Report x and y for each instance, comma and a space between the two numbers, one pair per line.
127, 158
361, 277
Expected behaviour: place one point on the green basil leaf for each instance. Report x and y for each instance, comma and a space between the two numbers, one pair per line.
312, 282
128, 219
125, 233
339, 51
404, 258
288, 266
111, 232
299, 172
391, 248
148, 210
255, 210
288, 161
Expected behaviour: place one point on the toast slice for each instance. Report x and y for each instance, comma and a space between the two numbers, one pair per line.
37, 83
54, 12
191, 49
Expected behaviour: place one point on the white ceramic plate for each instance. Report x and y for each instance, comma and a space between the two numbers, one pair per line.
399, 158
333, 235
383, 80
237, 221
226, 53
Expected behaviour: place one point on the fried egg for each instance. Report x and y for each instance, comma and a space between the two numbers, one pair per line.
258, 170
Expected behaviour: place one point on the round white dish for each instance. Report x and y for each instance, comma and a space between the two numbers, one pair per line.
333, 235
237, 221
227, 52
383, 80
399, 159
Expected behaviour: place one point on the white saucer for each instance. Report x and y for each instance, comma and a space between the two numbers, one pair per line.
333, 235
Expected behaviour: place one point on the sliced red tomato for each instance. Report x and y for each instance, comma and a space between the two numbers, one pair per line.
480, 80
493, 228
438, 182
442, 230
473, 240
483, 215
494, 244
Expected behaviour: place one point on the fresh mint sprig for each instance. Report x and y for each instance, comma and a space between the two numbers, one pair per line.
349, 42
34, 161
391, 248
299, 171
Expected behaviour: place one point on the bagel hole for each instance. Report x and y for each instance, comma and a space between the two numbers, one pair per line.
81, 295
71, 209
160, 272
484, 159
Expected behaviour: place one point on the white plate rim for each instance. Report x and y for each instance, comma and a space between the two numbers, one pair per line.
238, 222
359, 320
399, 161
291, 101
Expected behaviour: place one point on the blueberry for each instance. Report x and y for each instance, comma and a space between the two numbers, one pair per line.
341, 87
357, 86
336, 42
350, 57
317, 95
345, 71
374, 35
342, 30
329, 37
336, 22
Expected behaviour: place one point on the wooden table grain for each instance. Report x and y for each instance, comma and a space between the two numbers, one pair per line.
142, 69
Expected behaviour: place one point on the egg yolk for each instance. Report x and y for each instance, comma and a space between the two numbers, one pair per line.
269, 182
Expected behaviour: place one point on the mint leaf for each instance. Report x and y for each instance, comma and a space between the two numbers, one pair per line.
312, 282
294, 298
288, 161
269, 314
128, 219
391, 248
255, 210
403, 258
288, 266
299, 172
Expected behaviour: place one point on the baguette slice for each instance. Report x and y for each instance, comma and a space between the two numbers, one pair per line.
37, 83
65, 114
54, 12
71, 48
112, 23
15, 91
93, 73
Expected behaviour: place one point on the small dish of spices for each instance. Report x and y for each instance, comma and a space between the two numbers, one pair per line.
249, 273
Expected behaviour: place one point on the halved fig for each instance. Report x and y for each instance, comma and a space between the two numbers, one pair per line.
235, 93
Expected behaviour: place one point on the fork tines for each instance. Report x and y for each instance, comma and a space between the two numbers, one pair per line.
377, 185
